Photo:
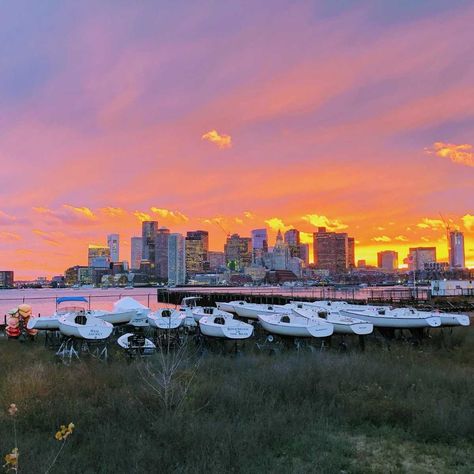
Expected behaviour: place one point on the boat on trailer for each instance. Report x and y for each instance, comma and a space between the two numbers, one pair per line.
166, 319
254, 310
229, 305
136, 343
452, 319
294, 325
83, 326
217, 325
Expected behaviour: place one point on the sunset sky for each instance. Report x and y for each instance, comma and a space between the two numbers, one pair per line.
354, 115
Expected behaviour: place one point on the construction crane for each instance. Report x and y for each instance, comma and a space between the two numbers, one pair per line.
218, 222
448, 239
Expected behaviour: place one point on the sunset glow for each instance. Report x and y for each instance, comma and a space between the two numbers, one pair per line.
226, 118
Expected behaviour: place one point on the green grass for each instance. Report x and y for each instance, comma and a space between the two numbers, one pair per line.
408, 409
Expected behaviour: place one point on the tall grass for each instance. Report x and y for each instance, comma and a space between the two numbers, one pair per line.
407, 409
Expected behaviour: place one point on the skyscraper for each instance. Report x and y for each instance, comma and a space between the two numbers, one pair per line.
351, 252
238, 252
418, 256
98, 256
292, 239
161, 252
456, 249
136, 245
387, 260
176, 259
304, 253
149, 230
197, 248
259, 245
113, 241
331, 250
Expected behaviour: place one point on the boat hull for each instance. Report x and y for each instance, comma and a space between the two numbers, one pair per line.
396, 322
310, 329
232, 329
166, 319
454, 319
93, 329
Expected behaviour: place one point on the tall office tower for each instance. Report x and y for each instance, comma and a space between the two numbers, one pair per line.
456, 249
331, 250
98, 256
280, 255
238, 252
387, 260
136, 245
419, 256
292, 239
197, 249
259, 245
216, 260
149, 230
113, 241
176, 259
304, 253
161, 252
351, 252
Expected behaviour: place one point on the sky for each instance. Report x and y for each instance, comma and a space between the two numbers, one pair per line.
230, 116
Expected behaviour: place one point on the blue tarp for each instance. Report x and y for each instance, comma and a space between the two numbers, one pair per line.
71, 298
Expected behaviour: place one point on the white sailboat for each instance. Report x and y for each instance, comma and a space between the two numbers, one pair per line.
84, 326
217, 325
201, 311
295, 325
136, 343
254, 310
167, 319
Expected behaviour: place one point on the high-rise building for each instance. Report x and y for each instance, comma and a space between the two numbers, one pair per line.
280, 256
161, 252
419, 256
304, 253
136, 245
292, 239
149, 230
456, 249
259, 245
176, 259
113, 241
331, 250
98, 256
216, 260
197, 248
387, 260
238, 252
351, 252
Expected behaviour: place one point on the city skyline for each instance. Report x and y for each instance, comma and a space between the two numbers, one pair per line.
227, 118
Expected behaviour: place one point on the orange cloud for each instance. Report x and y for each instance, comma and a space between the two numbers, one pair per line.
82, 211
382, 238
460, 154
222, 141
113, 211
277, 224
9, 236
142, 216
468, 221
401, 238
172, 215
323, 221
6, 218
427, 223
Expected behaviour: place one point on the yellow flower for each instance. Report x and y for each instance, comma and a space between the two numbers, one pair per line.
12, 409
58, 436
71, 426
64, 431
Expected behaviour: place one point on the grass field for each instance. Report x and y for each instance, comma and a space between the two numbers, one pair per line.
409, 409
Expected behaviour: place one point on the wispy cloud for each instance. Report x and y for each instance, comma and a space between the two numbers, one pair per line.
427, 223
468, 221
401, 238
277, 224
174, 216
460, 154
382, 238
221, 140
6, 218
9, 236
323, 221
113, 211
142, 216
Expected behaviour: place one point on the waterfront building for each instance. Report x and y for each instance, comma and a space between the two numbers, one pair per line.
161, 250
387, 260
98, 256
136, 246
238, 252
79, 275
259, 245
456, 249
113, 242
351, 252
331, 250
419, 256
149, 231
216, 261
176, 259
7, 279
197, 248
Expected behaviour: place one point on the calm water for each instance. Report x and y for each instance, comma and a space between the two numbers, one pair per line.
43, 301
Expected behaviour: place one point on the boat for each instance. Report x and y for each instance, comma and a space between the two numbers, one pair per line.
342, 324
295, 325
254, 310
201, 311
217, 325
398, 318
84, 326
188, 304
139, 312
229, 306
136, 343
166, 318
